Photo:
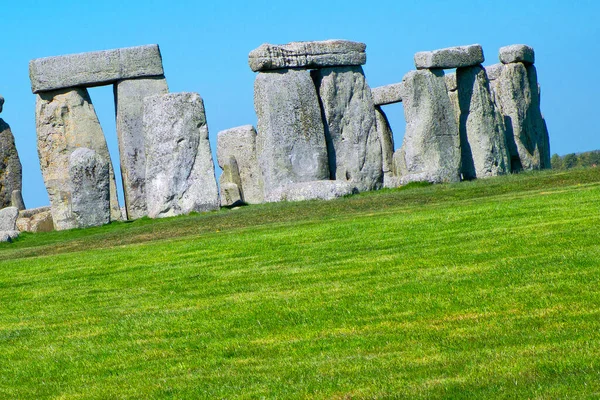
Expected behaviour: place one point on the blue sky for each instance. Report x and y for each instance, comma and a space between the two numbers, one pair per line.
205, 48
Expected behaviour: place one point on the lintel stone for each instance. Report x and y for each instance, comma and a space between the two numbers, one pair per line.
451, 57
388, 94
517, 53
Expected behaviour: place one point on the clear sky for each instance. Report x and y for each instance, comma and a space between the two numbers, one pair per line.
205, 46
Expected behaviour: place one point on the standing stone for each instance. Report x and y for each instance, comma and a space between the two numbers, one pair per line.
452, 86
431, 147
230, 183
527, 135
291, 141
10, 165
16, 200
386, 138
481, 127
240, 143
230, 195
180, 174
66, 120
350, 129
129, 100
90, 194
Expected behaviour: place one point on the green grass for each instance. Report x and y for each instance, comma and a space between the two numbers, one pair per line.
486, 289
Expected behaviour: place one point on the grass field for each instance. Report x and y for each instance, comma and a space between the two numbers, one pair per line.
487, 289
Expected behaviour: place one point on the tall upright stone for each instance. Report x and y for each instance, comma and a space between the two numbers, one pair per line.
90, 195
65, 121
350, 128
518, 95
431, 147
10, 165
180, 173
481, 126
386, 138
240, 143
291, 141
129, 100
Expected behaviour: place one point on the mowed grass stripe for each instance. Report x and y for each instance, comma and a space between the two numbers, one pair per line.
434, 296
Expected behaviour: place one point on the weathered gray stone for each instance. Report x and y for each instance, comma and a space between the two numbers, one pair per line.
66, 120
10, 165
230, 182
291, 140
431, 147
8, 218
452, 86
129, 99
35, 220
518, 95
517, 53
451, 82
240, 143
494, 71
350, 129
388, 94
481, 126
90, 195
317, 190
180, 174
8, 236
386, 138
231, 195
16, 200
94, 68
451, 57
328, 53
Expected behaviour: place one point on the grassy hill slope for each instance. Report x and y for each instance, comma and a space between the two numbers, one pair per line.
474, 290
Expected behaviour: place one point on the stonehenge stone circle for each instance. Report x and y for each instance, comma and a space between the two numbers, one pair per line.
353, 144
240, 143
90, 194
10, 165
517, 53
386, 138
94, 68
129, 99
388, 94
431, 147
481, 126
291, 142
180, 173
451, 57
66, 120
328, 53
316, 190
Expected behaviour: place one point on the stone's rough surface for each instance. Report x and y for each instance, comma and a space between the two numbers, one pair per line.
10, 165
517, 53
518, 95
388, 94
180, 174
16, 200
317, 190
328, 53
481, 126
386, 138
35, 220
451, 82
240, 143
129, 98
90, 194
230, 182
8, 236
94, 68
66, 120
431, 148
494, 71
291, 144
8, 218
350, 129
451, 57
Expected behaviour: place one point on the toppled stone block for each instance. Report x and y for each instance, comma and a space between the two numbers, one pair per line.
317, 190
388, 94
451, 57
94, 68
65, 121
240, 143
180, 174
517, 53
35, 220
291, 140
350, 130
431, 147
16, 200
328, 53
10, 165
90, 194
129, 98
386, 138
